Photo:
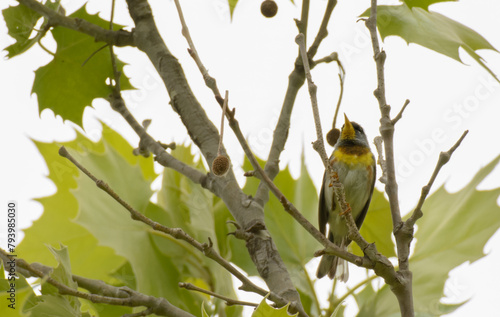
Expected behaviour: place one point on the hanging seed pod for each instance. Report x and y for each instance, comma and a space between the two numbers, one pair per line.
332, 136
269, 8
220, 165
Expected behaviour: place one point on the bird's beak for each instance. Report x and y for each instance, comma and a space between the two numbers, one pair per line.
348, 131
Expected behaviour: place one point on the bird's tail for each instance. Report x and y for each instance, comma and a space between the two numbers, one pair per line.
334, 266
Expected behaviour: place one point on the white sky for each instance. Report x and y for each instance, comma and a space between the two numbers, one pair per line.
252, 57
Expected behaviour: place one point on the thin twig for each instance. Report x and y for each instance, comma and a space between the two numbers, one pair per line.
93, 54
353, 289
116, 72
341, 94
400, 114
229, 301
444, 157
224, 107
323, 31
45, 48
319, 144
327, 59
209, 81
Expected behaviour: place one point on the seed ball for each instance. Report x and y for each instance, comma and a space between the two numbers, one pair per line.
220, 165
332, 136
269, 8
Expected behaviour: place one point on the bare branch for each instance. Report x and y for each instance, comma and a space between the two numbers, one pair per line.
402, 287
386, 124
229, 301
322, 32
319, 144
209, 81
224, 107
123, 296
444, 157
117, 38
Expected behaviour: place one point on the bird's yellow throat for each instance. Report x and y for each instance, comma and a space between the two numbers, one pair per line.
354, 155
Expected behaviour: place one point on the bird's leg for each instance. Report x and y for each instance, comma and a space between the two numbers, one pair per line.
347, 210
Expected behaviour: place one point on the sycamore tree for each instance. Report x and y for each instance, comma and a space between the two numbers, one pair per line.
107, 244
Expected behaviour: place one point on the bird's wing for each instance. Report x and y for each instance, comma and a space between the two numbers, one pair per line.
323, 212
362, 214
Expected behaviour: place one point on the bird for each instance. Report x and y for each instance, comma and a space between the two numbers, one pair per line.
354, 163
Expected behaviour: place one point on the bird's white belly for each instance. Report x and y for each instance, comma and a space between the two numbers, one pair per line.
356, 188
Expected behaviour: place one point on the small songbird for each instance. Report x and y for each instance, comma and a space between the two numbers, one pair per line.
355, 165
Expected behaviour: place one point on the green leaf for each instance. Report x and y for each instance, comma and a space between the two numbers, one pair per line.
232, 5
20, 22
77, 84
424, 4
24, 295
432, 30
54, 306
52, 303
155, 273
264, 310
377, 226
88, 258
454, 229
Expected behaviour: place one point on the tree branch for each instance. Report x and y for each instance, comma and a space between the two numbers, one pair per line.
248, 214
444, 157
107, 294
323, 31
117, 38
402, 287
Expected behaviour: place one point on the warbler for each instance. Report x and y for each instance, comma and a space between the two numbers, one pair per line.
355, 165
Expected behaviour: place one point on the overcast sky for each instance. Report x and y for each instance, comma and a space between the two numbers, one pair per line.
252, 57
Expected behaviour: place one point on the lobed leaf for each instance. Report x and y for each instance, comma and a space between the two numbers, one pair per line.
79, 72
21, 23
413, 23
454, 229
264, 310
